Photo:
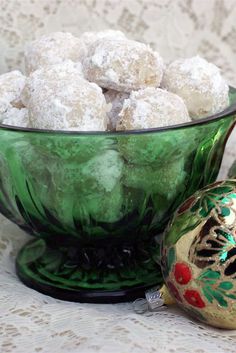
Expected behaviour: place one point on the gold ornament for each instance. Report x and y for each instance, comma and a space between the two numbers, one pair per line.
199, 255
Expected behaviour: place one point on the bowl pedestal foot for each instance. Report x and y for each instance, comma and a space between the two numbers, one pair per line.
105, 273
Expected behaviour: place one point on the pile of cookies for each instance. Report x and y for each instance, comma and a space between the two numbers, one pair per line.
104, 81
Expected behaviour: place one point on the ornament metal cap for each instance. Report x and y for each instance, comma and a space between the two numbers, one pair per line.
155, 299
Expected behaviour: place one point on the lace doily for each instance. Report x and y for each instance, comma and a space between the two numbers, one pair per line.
32, 322
169, 25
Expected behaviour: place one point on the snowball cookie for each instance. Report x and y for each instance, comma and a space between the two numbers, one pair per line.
101, 194
79, 190
90, 37
55, 199
157, 148
101, 172
95, 185
12, 110
199, 83
68, 105
150, 108
48, 76
39, 175
16, 117
11, 85
165, 180
116, 100
52, 49
123, 65
102, 207
72, 148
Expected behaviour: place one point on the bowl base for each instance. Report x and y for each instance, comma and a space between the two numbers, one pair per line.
100, 274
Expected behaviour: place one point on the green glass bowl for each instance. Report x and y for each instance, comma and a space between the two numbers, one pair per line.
96, 202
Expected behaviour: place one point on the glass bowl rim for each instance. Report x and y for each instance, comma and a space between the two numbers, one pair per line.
229, 111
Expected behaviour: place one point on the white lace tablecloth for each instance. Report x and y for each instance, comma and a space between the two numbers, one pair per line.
32, 322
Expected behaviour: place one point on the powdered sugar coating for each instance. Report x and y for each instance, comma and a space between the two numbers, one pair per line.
165, 180
90, 37
102, 174
11, 85
199, 83
116, 99
16, 117
103, 171
68, 105
150, 108
123, 65
52, 49
12, 111
50, 76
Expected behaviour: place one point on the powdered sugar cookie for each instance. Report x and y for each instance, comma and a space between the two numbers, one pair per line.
52, 49
166, 180
11, 85
101, 194
16, 117
199, 83
68, 105
150, 108
123, 65
48, 77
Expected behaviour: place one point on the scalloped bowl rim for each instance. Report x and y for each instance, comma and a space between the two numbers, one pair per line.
231, 109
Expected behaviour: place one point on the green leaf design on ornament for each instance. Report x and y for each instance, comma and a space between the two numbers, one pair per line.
212, 289
225, 211
170, 258
225, 285
231, 296
207, 293
212, 294
219, 297
209, 276
215, 199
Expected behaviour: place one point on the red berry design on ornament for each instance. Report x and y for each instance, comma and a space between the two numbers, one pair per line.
182, 273
194, 298
174, 291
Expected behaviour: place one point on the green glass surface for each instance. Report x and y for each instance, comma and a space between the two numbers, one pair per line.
90, 195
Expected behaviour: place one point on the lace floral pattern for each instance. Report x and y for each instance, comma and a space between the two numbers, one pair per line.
32, 322
175, 28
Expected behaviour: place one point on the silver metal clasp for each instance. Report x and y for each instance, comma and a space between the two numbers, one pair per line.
153, 301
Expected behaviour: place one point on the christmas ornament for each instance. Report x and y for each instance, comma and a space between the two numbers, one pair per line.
199, 255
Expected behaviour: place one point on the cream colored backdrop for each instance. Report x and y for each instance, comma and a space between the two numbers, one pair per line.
174, 27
